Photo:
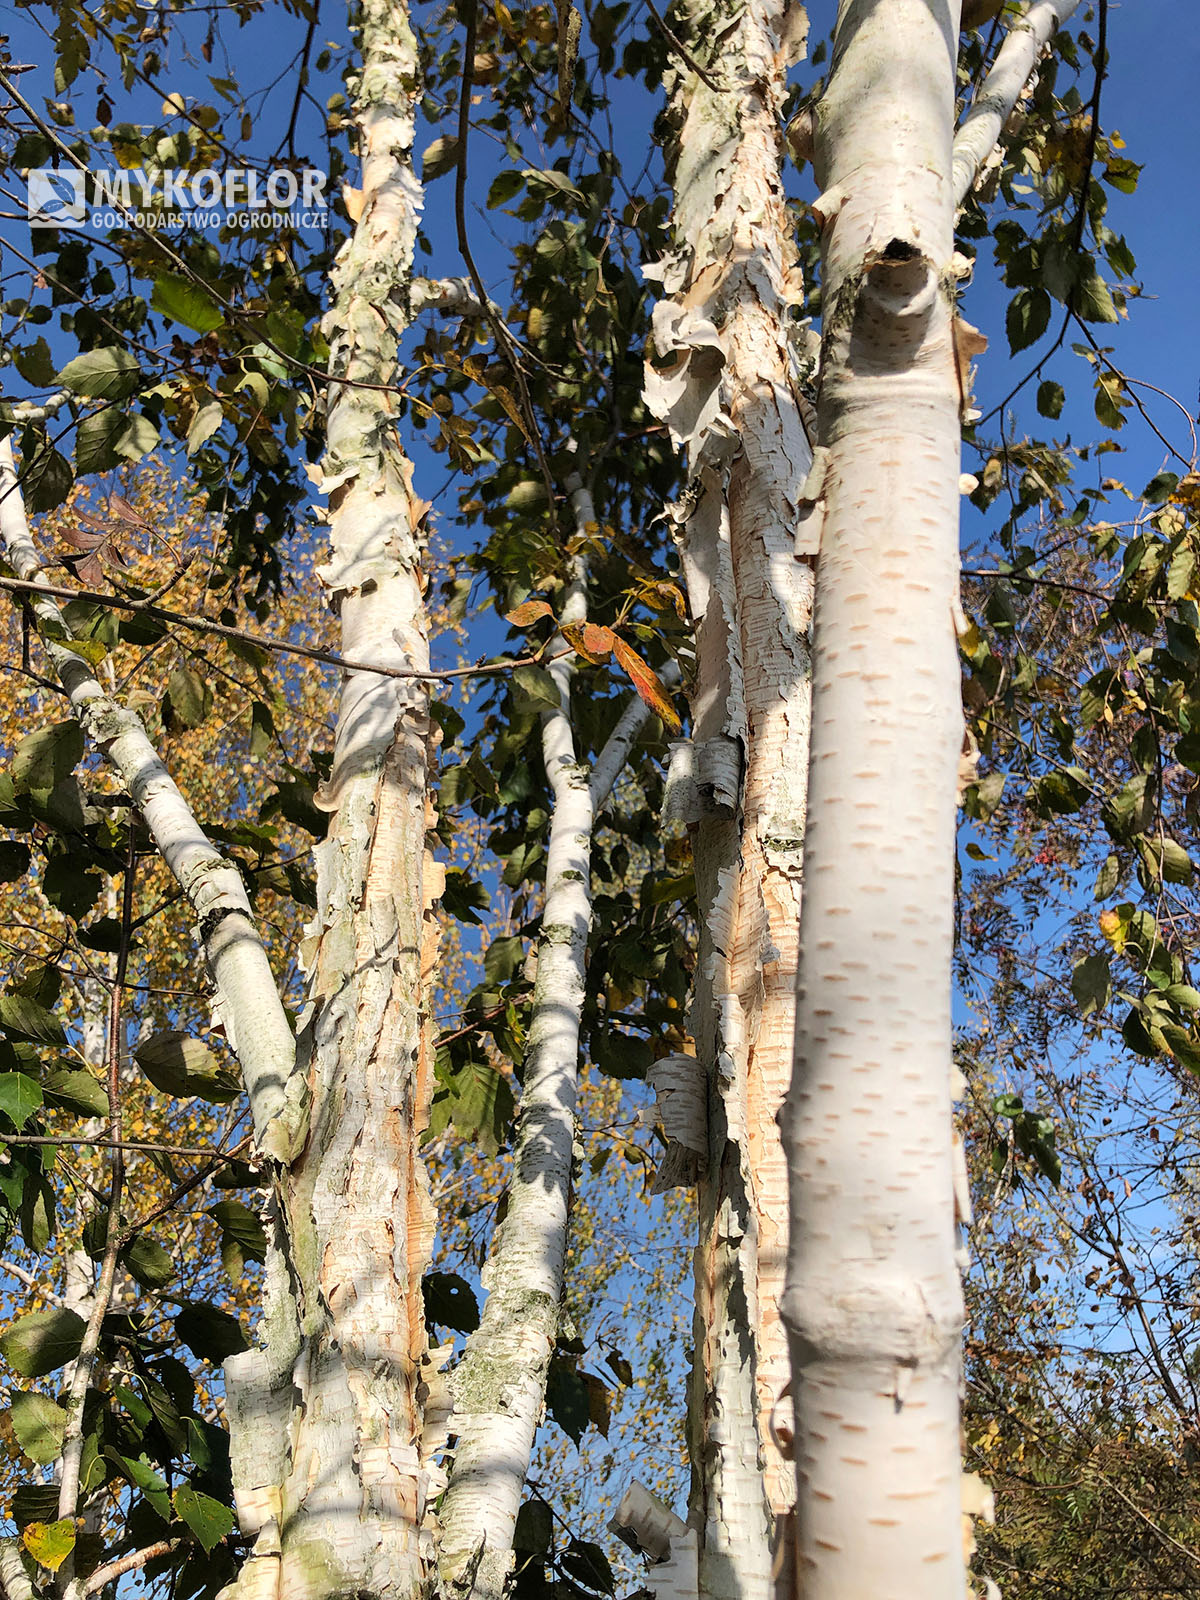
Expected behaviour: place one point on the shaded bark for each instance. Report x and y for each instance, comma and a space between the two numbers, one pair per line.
726, 379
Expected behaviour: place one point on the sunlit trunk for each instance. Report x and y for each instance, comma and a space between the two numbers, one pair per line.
873, 1301
327, 1418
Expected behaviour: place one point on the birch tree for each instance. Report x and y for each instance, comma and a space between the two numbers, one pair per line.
362, 1460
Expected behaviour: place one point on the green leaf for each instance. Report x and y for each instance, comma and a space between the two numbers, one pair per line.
502, 958
34, 1502
74, 1089
204, 424
187, 303
14, 860
21, 1017
1184, 1046
42, 1342
1028, 318
1107, 878
210, 1334
262, 729
535, 685
175, 1063
481, 1105
1051, 397
20, 1097
139, 1471
1060, 793
1160, 488
147, 1262
1176, 863
450, 1301
1091, 984
138, 438
439, 157
189, 699
982, 798
567, 1399
1180, 573
38, 1424
34, 362
72, 891
534, 1533
1093, 300
588, 1565
96, 440
107, 374
46, 479
208, 1519
239, 1224
44, 758
529, 495
504, 186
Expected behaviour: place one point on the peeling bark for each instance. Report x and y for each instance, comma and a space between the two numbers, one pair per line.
327, 1414
726, 382
873, 1302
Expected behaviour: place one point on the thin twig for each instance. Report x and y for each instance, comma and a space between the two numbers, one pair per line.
112, 1144
504, 340
264, 641
681, 49
72, 1449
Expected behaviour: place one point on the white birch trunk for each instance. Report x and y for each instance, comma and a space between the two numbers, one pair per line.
728, 388
500, 1385
247, 1000
873, 1301
327, 1417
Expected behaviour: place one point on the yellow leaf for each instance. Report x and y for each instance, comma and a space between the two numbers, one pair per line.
50, 1543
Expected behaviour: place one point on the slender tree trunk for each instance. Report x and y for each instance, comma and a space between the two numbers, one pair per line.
500, 1384
873, 1302
726, 380
327, 1418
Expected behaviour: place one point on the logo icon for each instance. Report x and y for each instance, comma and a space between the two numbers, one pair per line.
57, 198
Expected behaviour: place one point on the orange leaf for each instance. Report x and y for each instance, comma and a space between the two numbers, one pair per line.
589, 640
528, 613
647, 684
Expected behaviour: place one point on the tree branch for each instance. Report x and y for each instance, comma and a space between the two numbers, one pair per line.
994, 103
247, 998
265, 641
130, 1563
